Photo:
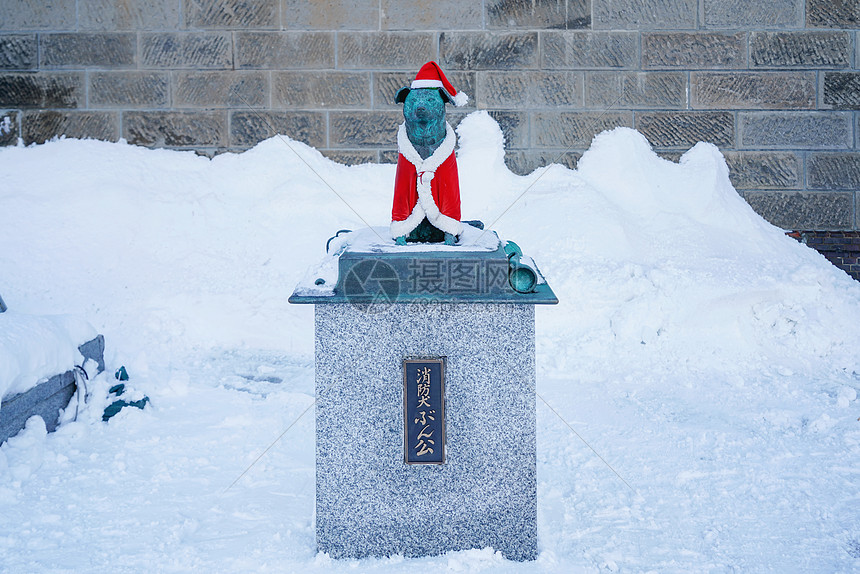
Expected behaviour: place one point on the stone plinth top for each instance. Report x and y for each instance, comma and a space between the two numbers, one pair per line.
367, 268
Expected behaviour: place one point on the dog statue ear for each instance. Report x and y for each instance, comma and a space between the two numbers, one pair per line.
445, 97
401, 95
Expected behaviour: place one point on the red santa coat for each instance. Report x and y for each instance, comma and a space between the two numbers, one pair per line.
426, 187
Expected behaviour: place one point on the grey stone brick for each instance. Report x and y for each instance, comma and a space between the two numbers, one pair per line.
574, 129
284, 50
561, 50
753, 90
26, 15
125, 15
388, 156
175, 129
18, 52
644, 14
210, 152
363, 129
454, 116
120, 89
42, 90
309, 90
386, 84
694, 50
436, 15
685, 129
111, 50
385, 50
40, 126
529, 89
832, 14
541, 14
515, 128
670, 155
289, 50
351, 156
177, 50
764, 170
221, 89
800, 49
488, 50
578, 14
10, 127
746, 14
243, 14
796, 130
833, 171
525, 162
635, 90
249, 128
842, 90
331, 15
796, 210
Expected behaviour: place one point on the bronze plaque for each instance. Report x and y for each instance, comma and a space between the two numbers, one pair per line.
424, 410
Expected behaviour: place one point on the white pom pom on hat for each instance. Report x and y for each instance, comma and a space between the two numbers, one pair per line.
431, 76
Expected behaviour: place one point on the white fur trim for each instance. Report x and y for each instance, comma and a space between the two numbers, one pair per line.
445, 149
425, 84
405, 147
461, 99
426, 170
399, 228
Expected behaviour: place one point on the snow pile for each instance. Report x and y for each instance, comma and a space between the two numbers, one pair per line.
669, 255
170, 249
33, 348
709, 359
165, 247
644, 252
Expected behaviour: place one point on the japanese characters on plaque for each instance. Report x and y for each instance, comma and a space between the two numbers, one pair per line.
424, 411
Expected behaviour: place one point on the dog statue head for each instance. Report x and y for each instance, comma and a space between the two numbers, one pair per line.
424, 112
424, 107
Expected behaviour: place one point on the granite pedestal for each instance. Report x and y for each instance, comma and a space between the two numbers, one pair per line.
369, 501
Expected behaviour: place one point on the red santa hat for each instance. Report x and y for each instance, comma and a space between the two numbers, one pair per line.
431, 76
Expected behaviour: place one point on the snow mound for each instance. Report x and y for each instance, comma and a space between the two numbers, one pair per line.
709, 360
171, 250
33, 348
666, 260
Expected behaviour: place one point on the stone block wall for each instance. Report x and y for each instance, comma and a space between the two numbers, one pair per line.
774, 83
842, 248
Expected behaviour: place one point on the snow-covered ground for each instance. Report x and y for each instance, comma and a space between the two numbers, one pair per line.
710, 361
